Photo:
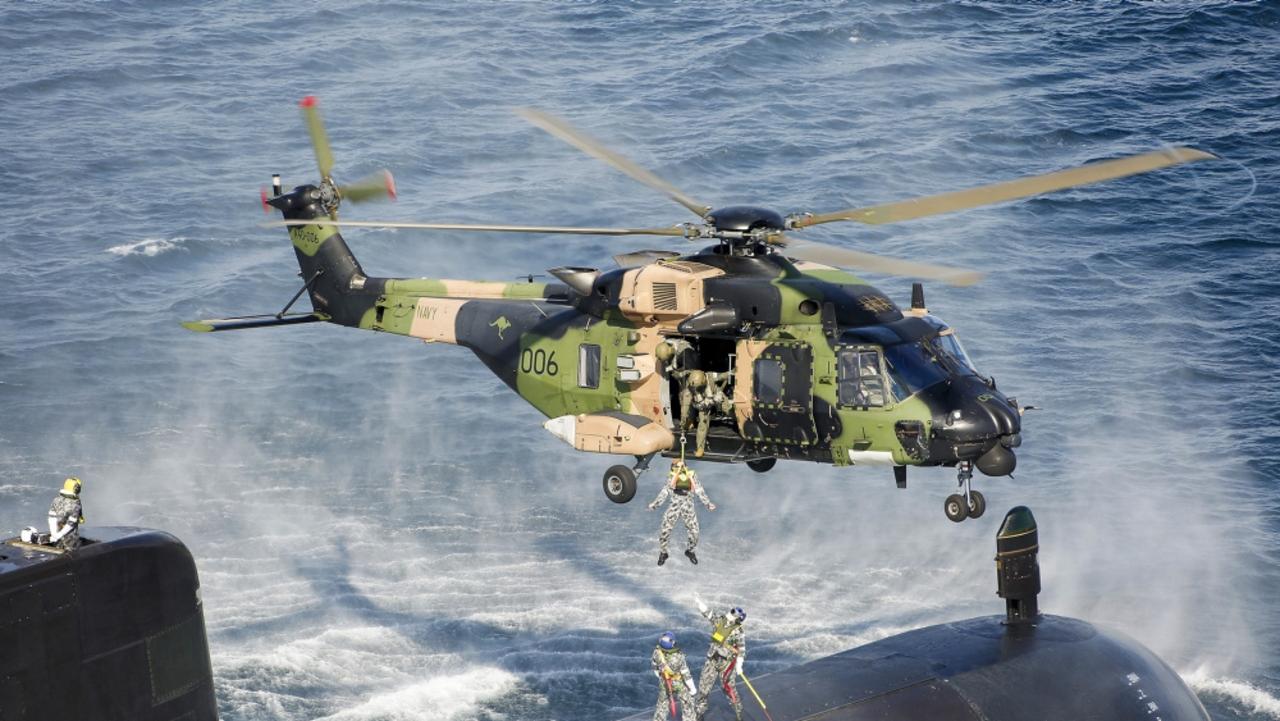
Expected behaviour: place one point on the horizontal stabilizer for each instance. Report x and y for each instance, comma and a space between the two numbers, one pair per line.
252, 321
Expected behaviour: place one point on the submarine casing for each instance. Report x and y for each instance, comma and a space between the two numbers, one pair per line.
980, 669
113, 631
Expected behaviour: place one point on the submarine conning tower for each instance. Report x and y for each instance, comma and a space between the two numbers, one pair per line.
113, 630
1018, 566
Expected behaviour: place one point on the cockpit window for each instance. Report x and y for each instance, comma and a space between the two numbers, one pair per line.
913, 367
861, 381
949, 346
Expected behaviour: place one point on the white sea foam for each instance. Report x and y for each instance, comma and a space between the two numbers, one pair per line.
149, 247
442, 697
1234, 693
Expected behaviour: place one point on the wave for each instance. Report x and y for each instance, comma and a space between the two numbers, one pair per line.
445, 697
149, 247
1233, 692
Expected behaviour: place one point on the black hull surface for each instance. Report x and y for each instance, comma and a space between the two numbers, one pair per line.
113, 631
1059, 669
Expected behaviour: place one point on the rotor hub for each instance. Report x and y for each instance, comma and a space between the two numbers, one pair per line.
328, 197
745, 219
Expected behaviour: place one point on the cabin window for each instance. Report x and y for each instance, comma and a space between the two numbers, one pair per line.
861, 381
767, 380
588, 366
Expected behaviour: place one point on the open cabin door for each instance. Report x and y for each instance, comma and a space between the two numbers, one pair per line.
773, 392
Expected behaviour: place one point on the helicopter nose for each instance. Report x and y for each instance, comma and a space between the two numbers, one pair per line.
982, 425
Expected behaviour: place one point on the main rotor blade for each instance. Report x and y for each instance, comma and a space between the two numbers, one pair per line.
560, 128
319, 140
858, 260
1011, 190
677, 231
375, 187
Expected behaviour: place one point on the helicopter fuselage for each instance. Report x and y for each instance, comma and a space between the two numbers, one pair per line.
811, 362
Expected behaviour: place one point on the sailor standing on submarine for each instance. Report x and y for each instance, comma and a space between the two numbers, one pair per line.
724, 656
675, 680
65, 516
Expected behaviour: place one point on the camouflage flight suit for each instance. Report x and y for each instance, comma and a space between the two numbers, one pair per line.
681, 507
66, 510
689, 381
710, 399
671, 666
728, 644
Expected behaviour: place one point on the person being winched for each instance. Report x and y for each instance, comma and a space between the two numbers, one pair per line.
66, 515
675, 680
681, 481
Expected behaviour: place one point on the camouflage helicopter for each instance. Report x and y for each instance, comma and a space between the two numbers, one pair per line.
768, 340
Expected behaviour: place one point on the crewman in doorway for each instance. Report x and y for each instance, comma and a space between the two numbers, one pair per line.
710, 399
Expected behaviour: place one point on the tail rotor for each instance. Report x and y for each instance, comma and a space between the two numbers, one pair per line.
374, 187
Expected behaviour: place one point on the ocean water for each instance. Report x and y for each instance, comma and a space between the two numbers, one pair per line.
385, 532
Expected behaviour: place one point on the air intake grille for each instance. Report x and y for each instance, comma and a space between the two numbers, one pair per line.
664, 296
687, 266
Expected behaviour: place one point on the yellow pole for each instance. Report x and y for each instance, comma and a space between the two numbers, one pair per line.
764, 708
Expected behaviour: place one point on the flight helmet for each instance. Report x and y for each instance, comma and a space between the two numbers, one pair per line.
667, 641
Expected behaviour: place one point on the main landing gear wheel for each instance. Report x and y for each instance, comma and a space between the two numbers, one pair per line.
620, 484
762, 465
977, 504
967, 503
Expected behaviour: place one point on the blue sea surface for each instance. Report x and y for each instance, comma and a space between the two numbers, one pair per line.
384, 531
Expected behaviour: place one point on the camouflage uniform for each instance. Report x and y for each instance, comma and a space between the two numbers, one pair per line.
710, 399
681, 507
689, 379
66, 510
671, 665
728, 644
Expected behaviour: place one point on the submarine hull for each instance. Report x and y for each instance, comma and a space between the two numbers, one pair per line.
981, 669
111, 631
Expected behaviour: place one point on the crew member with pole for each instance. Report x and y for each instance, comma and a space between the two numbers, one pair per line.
725, 654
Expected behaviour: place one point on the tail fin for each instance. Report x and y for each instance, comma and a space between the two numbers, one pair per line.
337, 285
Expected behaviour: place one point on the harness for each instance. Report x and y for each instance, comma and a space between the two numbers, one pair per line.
667, 674
726, 682
683, 484
721, 633
720, 637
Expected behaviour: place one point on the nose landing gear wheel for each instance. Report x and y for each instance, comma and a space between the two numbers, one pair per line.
977, 504
762, 465
955, 508
620, 484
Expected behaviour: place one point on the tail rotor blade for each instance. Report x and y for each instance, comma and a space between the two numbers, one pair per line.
375, 187
319, 139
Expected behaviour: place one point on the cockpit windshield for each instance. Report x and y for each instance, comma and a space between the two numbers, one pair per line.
912, 367
918, 353
948, 345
